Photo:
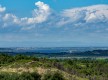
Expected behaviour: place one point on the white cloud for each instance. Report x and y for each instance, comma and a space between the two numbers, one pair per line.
2, 9
96, 13
39, 15
42, 6
10, 19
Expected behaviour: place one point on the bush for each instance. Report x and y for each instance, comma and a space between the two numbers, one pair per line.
23, 76
53, 76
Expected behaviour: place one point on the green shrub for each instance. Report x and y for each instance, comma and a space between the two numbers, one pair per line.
23, 76
53, 76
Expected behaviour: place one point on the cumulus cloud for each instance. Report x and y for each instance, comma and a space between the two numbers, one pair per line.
39, 15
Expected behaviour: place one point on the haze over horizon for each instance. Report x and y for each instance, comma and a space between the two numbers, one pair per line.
53, 23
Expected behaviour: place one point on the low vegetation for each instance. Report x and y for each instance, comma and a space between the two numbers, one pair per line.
22, 67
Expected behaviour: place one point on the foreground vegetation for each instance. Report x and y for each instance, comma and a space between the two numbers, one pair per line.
31, 76
22, 67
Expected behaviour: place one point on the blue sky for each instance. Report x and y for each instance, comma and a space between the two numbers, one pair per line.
23, 7
53, 23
